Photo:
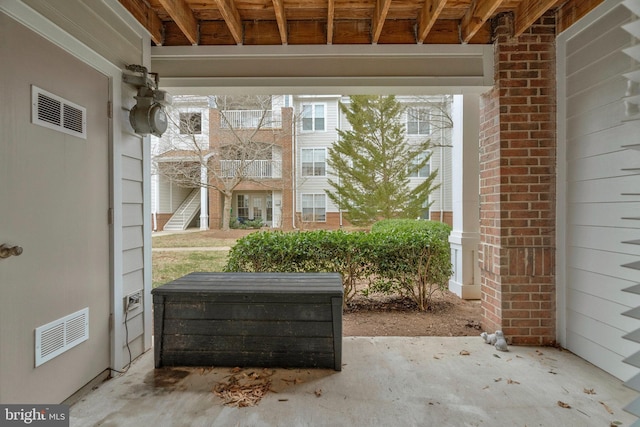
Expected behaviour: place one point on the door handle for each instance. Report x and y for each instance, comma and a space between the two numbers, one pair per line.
7, 250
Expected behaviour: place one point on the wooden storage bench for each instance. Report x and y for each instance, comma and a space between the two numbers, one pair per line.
249, 319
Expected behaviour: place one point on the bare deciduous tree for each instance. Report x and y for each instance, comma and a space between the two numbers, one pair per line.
245, 146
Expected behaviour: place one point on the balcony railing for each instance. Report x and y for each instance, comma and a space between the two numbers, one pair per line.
251, 169
250, 119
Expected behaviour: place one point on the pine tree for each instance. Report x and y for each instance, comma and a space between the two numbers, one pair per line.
373, 161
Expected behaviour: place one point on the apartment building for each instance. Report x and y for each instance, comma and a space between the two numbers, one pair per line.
257, 159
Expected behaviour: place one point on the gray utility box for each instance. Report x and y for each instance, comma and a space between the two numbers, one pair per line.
249, 319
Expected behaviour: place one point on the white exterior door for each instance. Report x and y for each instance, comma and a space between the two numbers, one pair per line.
598, 191
54, 200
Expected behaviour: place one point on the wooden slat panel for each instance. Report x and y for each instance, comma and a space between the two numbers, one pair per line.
257, 344
605, 312
256, 311
601, 142
244, 358
607, 67
379, 18
231, 327
173, 35
571, 11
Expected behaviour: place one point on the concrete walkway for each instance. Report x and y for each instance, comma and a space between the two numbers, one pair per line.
385, 381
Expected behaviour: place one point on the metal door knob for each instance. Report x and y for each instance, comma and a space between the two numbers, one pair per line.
7, 250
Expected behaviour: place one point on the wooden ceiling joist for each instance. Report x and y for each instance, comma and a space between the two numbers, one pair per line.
231, 16
528, 12
479, 12
428, 16
331, 10
182, 15
379, 16
281, 18
147, 17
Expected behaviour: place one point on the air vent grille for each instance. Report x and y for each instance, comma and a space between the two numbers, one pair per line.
58, 336
54, 112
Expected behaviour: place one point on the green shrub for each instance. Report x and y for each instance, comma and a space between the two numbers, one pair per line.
408, 257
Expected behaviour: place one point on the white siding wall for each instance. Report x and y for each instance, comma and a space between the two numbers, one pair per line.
441, 158
595, 193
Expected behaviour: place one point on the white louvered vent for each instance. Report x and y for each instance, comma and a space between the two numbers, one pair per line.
58, 336
56, 113
632, 110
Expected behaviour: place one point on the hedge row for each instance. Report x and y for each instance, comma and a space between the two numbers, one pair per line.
408, 257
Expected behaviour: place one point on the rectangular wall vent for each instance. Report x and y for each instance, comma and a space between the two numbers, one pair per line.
56, 113
58, 336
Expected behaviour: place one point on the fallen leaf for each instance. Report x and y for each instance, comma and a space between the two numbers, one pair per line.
589, 391
485, 387
436, 357
318, 392
609, 410
495, 355
464, 353
497, 379
510, 381
563, 405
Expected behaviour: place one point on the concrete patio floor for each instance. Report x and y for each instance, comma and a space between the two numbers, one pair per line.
385, 381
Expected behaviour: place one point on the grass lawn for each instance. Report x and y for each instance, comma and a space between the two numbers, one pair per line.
170, 265
199, 239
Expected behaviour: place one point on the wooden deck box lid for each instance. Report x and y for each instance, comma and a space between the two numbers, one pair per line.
328, 284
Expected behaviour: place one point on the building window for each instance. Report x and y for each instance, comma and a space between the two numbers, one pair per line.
425, 170
314, 207
190, 123
243, 207
418, 121
314, 161
313, 117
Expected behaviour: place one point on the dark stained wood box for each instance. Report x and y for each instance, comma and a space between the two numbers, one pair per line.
249, 319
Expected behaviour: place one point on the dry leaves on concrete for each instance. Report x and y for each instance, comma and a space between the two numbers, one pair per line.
244, 389
563, 405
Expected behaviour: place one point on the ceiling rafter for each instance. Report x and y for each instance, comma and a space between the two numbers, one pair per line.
231, 16
147, 17
331, 9
528, 12
183, 16
479, 12
281, 18
379, 16
428, 16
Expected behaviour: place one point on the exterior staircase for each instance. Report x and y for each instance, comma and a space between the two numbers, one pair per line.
185, 213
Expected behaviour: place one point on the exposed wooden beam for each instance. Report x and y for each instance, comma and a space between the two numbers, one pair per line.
331, 6
147, 17
479, 12
428, 16
182, 15
232, 18
379, 16
281, 18
528, 12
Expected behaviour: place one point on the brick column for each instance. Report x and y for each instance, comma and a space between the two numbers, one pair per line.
517, 185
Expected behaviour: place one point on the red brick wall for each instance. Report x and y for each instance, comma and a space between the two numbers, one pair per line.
517, 185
